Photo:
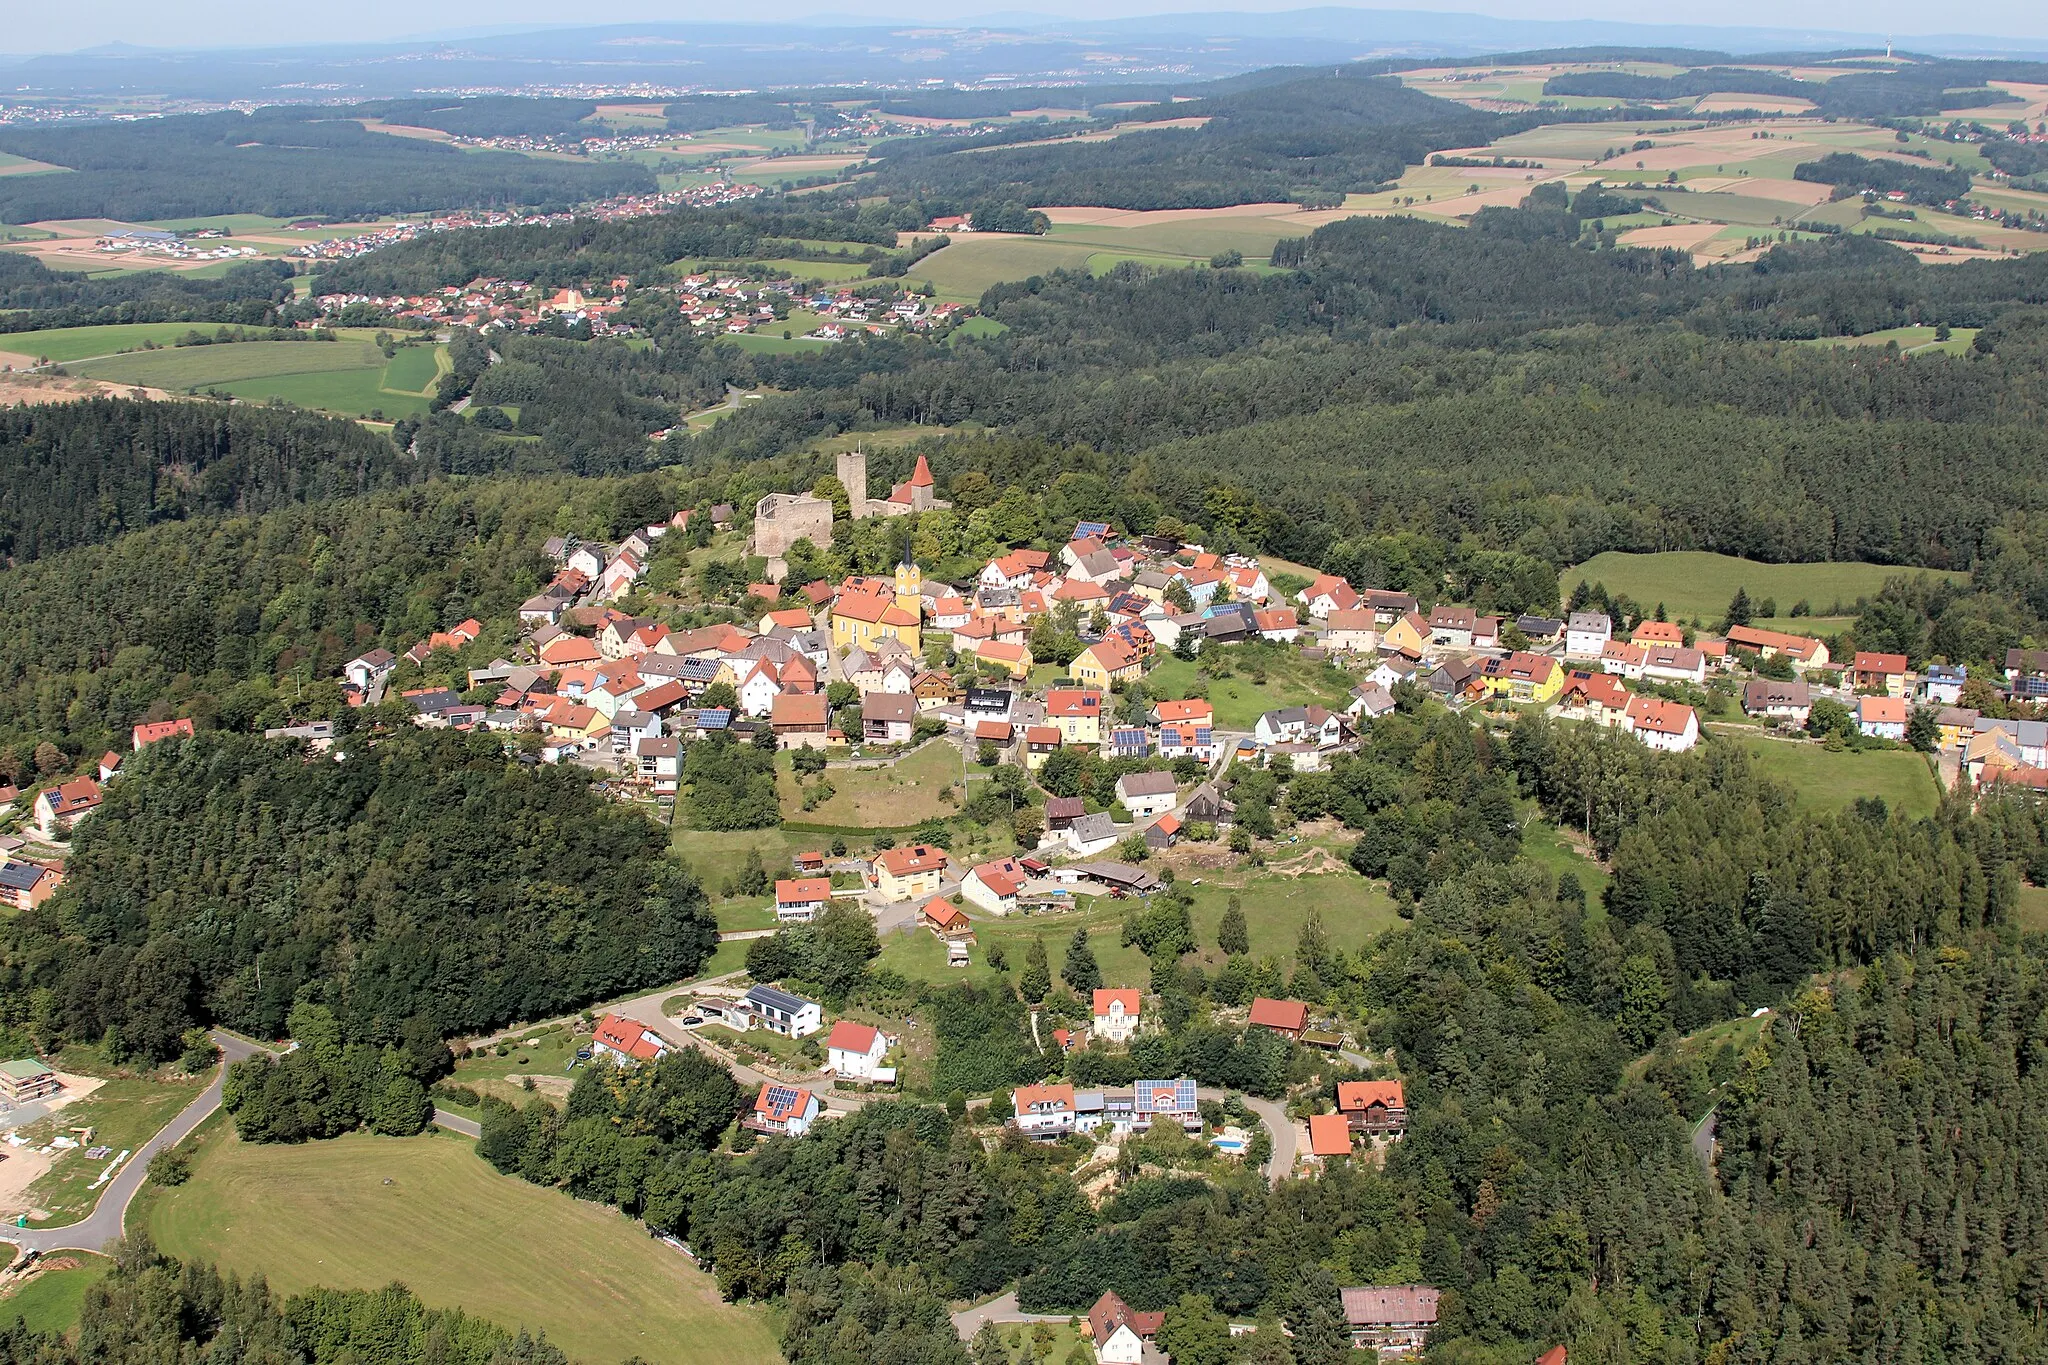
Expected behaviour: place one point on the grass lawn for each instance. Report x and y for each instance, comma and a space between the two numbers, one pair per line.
350, 377
964, 271
362, 1211
543, 1053
1694, 583
1832, 781
124, 1112
889, 797
1239, 702
774, 343
52, 1300
65, 344
715, 855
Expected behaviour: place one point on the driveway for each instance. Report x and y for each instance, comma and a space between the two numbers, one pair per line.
107, 1220
1002, 1308
1273, 1118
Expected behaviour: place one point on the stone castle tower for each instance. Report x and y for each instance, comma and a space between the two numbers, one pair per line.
853, 474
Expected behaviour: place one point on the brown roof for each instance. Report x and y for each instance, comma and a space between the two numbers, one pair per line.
1290, 1016
1111, 1312
798, 708
1389, 1305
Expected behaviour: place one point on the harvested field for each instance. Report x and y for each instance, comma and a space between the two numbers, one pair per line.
1684, 236
1763, 104
31, 390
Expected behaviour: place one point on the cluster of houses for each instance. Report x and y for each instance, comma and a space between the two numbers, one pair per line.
1392, 1321
608, 210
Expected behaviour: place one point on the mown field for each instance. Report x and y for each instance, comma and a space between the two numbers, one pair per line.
63, 345
362, 1211
1695, 583
349, 377
1832, 781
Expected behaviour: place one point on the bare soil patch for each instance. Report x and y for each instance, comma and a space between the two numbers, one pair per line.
31, 389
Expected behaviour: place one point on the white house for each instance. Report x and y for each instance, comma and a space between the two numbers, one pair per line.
1116, 1015
624, 1041
366, 670
1043, 1110
1586, 634
780, 1012
784, 1109
660, 760
1327, 594
855, 1051
994, 886
1942, 684
1148, 794
759, 689
1666, 726
799, 899
1881, 717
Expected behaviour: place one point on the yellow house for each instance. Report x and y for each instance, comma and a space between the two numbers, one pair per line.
1077, 711
567, 720
911, 872
1110, 661
1408, 635
1012, 659
1523, 677
866, 619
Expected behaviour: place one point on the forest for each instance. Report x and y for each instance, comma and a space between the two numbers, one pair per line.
33, 296
417, 884
281, 161
1920, 86
82, 473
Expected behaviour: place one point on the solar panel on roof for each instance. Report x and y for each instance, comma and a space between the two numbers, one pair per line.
781, 1097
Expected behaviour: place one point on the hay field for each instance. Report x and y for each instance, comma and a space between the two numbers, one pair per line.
361, 1211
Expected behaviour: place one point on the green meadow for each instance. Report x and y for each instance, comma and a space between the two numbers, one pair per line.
1695, 583
348, 377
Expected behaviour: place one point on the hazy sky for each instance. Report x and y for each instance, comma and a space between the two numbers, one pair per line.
33, 26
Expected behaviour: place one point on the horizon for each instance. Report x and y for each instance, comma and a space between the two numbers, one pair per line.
212, 27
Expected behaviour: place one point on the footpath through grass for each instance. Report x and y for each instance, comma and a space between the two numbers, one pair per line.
1695, 583
362, 1211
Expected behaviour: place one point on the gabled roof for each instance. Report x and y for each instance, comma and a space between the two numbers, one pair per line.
625, 1035
1389, 1305
1288, 1015
798, 890
1358, 1096
1104, 999
782, 1102
848, 1036
911, 858
1147, 784
778, 999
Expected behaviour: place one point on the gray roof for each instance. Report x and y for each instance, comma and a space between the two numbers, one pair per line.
1101, 564
776, 999
1590, 620
1089, 828
20, 876
1118, 874
1147, 784
2031, 734
1287, 715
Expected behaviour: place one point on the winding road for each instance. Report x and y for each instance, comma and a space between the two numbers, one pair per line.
108, 1218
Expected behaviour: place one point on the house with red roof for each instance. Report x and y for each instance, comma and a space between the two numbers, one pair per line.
1116, 1015
1871, 671
1326, 594
786, 1110
1373, 1106
909, 872
1666, 726
626, 1042
798, 900
57, 809
1119, 1331
947, 920
994, 886
1289, 1017
151, 731
1329, 1137
1043, 1111
855, 1051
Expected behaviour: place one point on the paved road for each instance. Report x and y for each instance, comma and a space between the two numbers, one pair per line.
1002, 1308
455, 1123
104, 1224
1273, 1117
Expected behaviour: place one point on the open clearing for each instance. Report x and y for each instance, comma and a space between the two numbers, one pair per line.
361, 1211
51, 1301
1695, 583
1833, 781
890, 796
349, 377
1239, 701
